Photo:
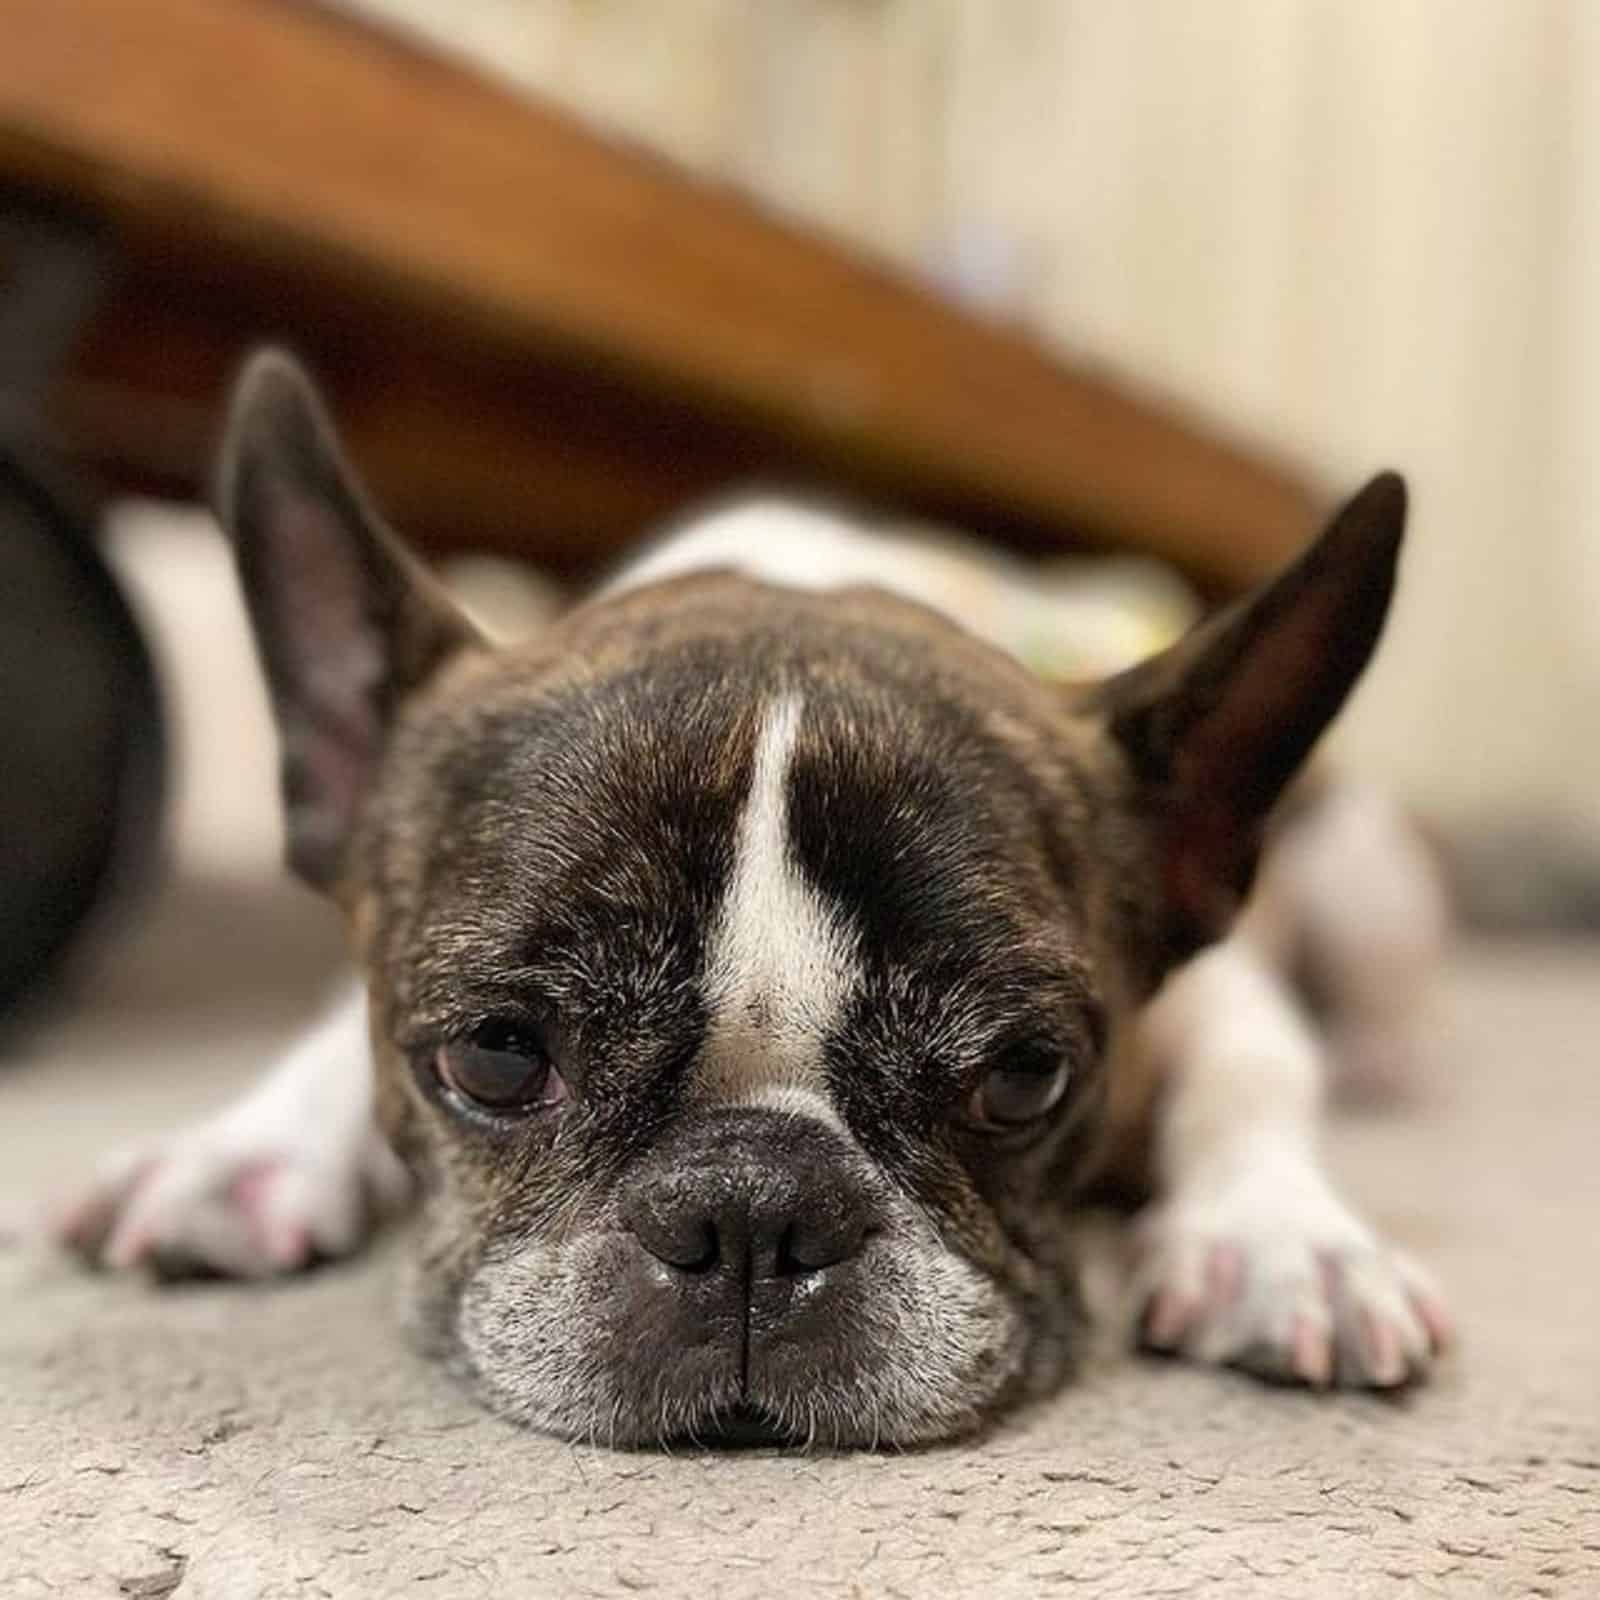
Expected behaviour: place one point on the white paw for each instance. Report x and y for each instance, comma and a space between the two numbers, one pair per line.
1269, 1271
214, 1198
294, 1172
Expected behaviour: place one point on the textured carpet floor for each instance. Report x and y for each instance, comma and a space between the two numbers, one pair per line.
225, 1444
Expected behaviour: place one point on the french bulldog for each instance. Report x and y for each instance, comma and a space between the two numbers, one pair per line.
758, 979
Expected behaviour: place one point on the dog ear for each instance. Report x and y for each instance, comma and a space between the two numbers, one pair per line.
347, 621
1216, 726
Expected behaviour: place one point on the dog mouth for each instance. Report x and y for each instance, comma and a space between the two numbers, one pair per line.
743, 1426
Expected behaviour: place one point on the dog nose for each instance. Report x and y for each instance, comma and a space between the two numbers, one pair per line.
772, 1229
750, 1194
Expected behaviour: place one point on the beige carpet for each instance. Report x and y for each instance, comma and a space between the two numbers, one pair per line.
242, 1443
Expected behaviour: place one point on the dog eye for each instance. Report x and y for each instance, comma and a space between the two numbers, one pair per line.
501, 1068
1027, 1083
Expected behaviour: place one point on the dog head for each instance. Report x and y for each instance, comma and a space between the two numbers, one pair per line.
747, 967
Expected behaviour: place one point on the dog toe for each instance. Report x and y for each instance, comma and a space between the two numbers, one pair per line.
1383, 1341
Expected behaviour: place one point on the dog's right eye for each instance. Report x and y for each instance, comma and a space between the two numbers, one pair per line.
501, 1069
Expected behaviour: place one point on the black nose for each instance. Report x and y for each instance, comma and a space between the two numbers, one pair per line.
750, 1194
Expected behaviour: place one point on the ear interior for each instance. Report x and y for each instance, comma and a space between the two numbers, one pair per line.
1217, 726
347, 622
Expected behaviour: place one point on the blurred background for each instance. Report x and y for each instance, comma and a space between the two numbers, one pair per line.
1149, 277
1357, 232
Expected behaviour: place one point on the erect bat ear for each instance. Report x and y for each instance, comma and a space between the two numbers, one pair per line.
1214, 727
347, 621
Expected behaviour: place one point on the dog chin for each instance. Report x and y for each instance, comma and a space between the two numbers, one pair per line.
540, 1346
730, 1417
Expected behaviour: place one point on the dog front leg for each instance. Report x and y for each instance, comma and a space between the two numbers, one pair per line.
1248, 1256
294, 1171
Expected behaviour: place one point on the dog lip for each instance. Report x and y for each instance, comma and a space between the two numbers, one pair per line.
744, 1426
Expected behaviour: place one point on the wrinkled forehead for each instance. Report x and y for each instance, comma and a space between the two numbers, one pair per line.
757, 847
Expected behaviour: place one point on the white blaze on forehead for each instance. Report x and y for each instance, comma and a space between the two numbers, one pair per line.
781, 963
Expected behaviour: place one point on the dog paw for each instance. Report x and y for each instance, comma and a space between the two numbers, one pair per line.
1278, 1278
293, 1172
215, 1199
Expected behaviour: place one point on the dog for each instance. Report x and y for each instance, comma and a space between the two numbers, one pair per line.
759, 979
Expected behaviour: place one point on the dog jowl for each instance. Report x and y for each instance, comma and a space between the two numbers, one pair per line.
759, 979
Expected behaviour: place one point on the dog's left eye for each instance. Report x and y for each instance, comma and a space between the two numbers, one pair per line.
1028, 1082
502, 1069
